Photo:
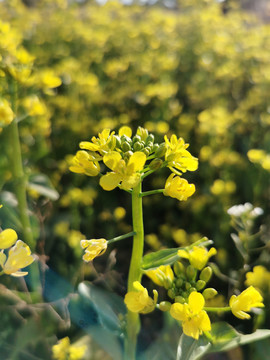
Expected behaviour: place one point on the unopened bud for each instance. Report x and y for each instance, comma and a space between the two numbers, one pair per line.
206, 274
146, 151
192, 289
126, 146
171, 293
155, 147
178, 268
200, 284
179, 282
137, 146
118, 141
191, 272
125, 138
165, 306
161, 150
136, 138
150, 138
209, 293
187, 285
155, 164
180, 299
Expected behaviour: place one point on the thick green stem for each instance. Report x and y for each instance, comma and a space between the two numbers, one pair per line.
18, 176
135, 273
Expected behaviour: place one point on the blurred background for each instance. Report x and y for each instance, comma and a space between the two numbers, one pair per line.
196, 68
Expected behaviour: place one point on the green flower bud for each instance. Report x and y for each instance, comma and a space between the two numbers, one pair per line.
161, 150
127, 155
126, 146
192, 289
206, 274
200, 284
165, 306
191, 272
179, 282
136, 138
187, 285
209, 293
142, 132
118, 141
155, 164
125, 138
150, 138
180, 299
137, 146
178, 268
155, 147
171, 293
146, 151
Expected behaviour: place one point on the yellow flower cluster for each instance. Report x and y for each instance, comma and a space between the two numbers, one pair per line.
261, 157
139, 301
19, 255
64, 350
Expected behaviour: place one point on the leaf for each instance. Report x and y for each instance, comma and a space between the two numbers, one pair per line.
222, 333
161, 257
43, 186
191, 349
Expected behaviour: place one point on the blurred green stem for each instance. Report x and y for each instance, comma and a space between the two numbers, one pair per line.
15, 158
135, 274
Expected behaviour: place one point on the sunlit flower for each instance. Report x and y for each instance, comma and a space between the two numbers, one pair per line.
139, 301
93, 248
8, 237
19, 256
178, 188
125, 130
198, 256
85, 163
162, 276
6, 113
194, 319
248, 299
102, 144
63, 350
128, 174
178, 158
259, 278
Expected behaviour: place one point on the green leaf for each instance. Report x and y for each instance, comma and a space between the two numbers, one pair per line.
43, 186
161, 257
222, 333
191, 349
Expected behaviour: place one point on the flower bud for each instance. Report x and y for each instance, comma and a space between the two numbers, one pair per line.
171, 293
191, 290
206, 274
179, 282
150, 138
137, 146
200, 284
209, 293
146, 151
165, 306
178, 268
125, 138
155, 147
180, 299
155, 164
161, 150
126, 146
191, 272
136, 138
187, 285
118, 141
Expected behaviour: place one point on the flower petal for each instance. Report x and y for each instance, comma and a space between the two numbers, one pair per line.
110, 181
196, 302
112, 159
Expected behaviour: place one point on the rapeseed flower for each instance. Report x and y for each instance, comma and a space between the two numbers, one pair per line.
248, 299
6, 113
162, 276
93, 248
63, 350
104, 143
178, 188
198, 256
85, 163
128, 174
259, 278
194, 319
139, 301
8, 237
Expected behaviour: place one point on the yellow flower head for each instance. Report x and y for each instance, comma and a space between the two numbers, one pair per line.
259, 278
8, 237
6, 113
162, 276
198, 256
63, 350
249, 298
102, 144
178, 188
139, 301
128, 174
93, 248
85, 163
19, 257
178, 158
194, 319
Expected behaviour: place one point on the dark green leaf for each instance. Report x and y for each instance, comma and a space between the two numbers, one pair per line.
191, 349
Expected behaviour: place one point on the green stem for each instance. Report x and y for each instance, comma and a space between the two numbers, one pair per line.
217, 309
121, 237
135, 273
152, 192
15, 159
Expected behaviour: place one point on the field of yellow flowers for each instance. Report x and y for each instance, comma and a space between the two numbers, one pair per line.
70, 70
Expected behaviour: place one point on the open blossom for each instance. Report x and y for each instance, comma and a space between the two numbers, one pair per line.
194, 319
198, 256
139, 301
85, 163
93, 248
19, 256
178, 188
128, 174
259, 278
162, 276
248, 299
102, 144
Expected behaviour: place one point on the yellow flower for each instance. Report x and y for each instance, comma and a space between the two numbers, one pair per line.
178, 157
6, 113
8, 237
194, 319
178, 188
63, 350
139, 301
104, 143
260, 277
249, 298
125, 130
84, 163
93, 248
198, 256
126, 173
19, 256
162, 276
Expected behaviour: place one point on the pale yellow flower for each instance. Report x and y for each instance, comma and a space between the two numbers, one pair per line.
128, 174
8, 237
85, 163
198, 256
6, 113
178, 188
248, 299
104, 143
63, 350
259, 277
162, 276
194, 319
125, 130
139, 301
93, 248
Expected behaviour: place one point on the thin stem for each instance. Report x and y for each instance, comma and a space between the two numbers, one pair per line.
135, 274
121, 237
15, 158
147, 173
152, 192
217, 309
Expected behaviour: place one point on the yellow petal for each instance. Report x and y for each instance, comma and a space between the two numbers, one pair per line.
112, 159
125, 130
8, 237
110, 181
196, 302
177, 312
136, 161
